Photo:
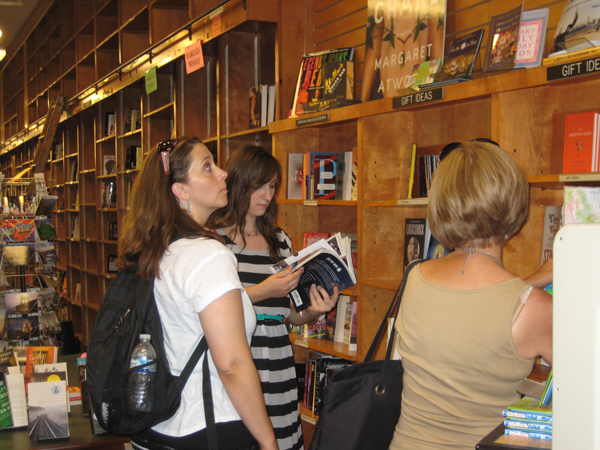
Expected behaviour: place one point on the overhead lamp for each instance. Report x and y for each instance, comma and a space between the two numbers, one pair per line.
14, 3
2, 54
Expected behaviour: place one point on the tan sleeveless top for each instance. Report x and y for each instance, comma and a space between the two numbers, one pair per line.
461, 365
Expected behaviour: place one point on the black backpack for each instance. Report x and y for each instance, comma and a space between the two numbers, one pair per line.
128, 310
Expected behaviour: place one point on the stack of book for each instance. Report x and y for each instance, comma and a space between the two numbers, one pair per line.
531, 417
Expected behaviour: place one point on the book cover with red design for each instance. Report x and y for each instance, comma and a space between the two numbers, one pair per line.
581, 142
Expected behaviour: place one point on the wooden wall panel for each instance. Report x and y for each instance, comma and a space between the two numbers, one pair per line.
371, 309
383, 236
453, 122
529, 132
337, 10
387, 140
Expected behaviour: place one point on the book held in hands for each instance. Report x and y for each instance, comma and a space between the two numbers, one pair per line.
326, 263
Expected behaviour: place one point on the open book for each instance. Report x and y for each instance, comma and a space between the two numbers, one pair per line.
326, 263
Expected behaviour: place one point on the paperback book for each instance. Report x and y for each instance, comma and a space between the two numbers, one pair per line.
338, 80
552, 223
48, 410
255, 107
581, 142
460, 60
581, 204
533, 425
326, 263
45, 229
15, 385
310, 84
502, 41
529, 408
18, 230
537, 434
416, 240
110, 165
532, 37
577, 28
424, 73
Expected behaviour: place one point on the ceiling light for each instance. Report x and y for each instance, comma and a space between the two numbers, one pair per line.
0, 33
2, 54
15, 3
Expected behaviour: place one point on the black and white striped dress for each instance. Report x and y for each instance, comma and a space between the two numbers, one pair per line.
271, 347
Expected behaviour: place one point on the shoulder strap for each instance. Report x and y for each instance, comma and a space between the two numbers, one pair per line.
391, 312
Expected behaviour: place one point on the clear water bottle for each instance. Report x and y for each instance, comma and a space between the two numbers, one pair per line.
141, 381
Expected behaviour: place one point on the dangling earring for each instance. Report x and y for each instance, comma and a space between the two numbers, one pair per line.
188, 206
506, 236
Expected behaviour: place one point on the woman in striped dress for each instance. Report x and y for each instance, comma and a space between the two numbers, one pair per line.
248, 226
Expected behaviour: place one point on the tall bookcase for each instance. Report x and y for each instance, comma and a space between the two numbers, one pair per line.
242, 48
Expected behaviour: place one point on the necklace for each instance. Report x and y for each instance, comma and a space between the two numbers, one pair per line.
252, 234
471, 250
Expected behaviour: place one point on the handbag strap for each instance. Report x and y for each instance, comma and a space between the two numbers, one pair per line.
391, 312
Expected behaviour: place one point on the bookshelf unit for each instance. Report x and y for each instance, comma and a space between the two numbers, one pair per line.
97, 54
520, 110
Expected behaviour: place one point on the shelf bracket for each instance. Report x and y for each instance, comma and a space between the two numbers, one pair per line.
189, 32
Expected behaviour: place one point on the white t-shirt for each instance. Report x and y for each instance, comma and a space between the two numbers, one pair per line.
194, 273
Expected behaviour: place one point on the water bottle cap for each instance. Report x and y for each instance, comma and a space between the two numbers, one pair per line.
145, 336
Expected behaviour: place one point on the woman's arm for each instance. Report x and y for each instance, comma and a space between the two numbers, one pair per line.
543, 276
223, 324
277, 285
320, 303
532, 331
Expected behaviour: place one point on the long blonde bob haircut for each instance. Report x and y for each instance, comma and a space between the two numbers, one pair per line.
479, 195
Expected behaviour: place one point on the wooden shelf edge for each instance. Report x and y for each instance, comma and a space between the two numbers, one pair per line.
317, 202
307, 415
324, 345
245, 132
401, 202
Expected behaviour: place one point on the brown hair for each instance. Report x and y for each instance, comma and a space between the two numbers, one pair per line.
248, 169
479, 194
155, 217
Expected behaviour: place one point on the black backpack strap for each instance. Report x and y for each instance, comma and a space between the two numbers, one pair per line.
193, 361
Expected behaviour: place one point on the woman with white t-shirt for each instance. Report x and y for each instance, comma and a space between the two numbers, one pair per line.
198, 293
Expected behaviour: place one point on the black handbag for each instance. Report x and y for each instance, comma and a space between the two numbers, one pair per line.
362, 402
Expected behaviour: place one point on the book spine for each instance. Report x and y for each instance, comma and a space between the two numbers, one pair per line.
527, 415
528, 434
519, 424
5, 414
570, 56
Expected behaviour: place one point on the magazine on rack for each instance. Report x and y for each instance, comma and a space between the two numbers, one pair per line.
326, 263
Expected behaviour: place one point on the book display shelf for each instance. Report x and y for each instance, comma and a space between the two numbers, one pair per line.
105, 131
